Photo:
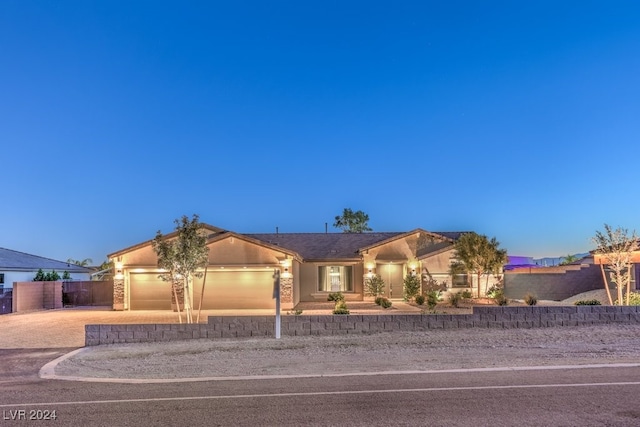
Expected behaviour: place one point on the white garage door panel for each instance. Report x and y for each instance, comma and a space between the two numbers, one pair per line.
236, 290
148, 292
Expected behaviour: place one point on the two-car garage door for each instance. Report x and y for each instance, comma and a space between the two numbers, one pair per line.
243, 289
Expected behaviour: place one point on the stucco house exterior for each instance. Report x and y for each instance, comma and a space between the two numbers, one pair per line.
18, 266
312, 265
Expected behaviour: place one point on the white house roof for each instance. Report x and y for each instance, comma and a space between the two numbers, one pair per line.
20, 261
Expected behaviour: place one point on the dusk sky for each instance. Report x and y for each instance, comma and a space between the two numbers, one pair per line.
515, 119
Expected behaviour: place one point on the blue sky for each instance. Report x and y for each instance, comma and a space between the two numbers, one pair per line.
519, 120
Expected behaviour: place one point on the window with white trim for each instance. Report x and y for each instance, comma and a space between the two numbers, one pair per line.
335, 278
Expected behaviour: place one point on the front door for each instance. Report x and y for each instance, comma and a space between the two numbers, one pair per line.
391, 273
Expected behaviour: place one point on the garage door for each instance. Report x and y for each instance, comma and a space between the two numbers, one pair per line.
148, 292
244, 289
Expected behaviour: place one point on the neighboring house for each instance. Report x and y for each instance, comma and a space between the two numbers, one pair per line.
21, 267
312, 265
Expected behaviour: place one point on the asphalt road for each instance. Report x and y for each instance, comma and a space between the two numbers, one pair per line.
605, 396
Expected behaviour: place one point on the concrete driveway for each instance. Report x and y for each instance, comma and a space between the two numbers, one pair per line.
64, 328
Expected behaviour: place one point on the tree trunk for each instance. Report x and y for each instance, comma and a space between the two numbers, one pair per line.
628, 287
204, 280
187, 300
175, 294
606, 284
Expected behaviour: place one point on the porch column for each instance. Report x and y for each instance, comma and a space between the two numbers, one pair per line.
286, 291
118, 293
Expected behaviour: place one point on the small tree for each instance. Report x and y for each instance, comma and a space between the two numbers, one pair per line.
352, 222
411, 286
568, 259
40, 276
479, 255
82, 263
616, 247
374, 286
181, 257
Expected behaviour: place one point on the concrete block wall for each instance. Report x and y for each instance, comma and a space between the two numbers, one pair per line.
36, 296
219, 327
552, 283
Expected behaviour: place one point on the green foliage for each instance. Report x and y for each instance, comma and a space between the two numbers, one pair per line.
378, 300
340, 308
568, 259
530, 299
352, 222
181, 255
374, 286
39, 276
335, 296
454, 299
385, 303
82, 263
433, 296
420, 299
478, 255
50, 276
493, 291
66, 275
500, 299
411, 287
634, 299
588, 302
295, 312
466, 294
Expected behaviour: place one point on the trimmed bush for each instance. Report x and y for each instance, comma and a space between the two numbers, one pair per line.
530, 299
500, 299
454, 299
588, 302
411, 287
420, 299
374, 286
341, 308
466, 294
379, 300
433, 297
336, 296
385, 303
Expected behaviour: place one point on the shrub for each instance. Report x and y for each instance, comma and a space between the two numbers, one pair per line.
411, 287
340, 308
295, 312
588, 302
634, 299
466, 294
66, 275
419, 299
493, 291
385, 303
379, 300
39, 276
500, 299
374, 286
454, 299
530, 299
336, 296
432, 298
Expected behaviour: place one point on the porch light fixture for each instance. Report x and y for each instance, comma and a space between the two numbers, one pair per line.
286, 274
119, 275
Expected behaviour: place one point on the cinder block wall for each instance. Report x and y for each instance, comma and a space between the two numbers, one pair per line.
36, 295
263, 326
552, 283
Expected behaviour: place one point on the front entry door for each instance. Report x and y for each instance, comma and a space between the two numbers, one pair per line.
391, 273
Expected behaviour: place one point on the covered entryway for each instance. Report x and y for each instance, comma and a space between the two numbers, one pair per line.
148, 292
391, 273
236, 289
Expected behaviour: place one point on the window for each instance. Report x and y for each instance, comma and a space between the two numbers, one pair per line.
335, 278
460, 281
1, 278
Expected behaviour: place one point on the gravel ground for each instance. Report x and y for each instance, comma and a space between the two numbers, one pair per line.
393, 351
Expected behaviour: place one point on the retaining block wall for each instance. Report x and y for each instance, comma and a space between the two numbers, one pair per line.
263, 326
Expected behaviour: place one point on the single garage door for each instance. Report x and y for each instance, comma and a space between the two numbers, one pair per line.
148, 292
244, 289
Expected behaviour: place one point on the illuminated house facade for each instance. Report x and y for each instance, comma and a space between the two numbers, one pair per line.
312, 265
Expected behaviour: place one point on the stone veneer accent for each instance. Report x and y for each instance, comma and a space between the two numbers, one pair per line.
118, 294
286, 290
263, 326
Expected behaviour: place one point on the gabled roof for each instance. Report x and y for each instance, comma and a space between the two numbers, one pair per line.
248, 238
447, 236
20, 261
324, 246
211, 231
